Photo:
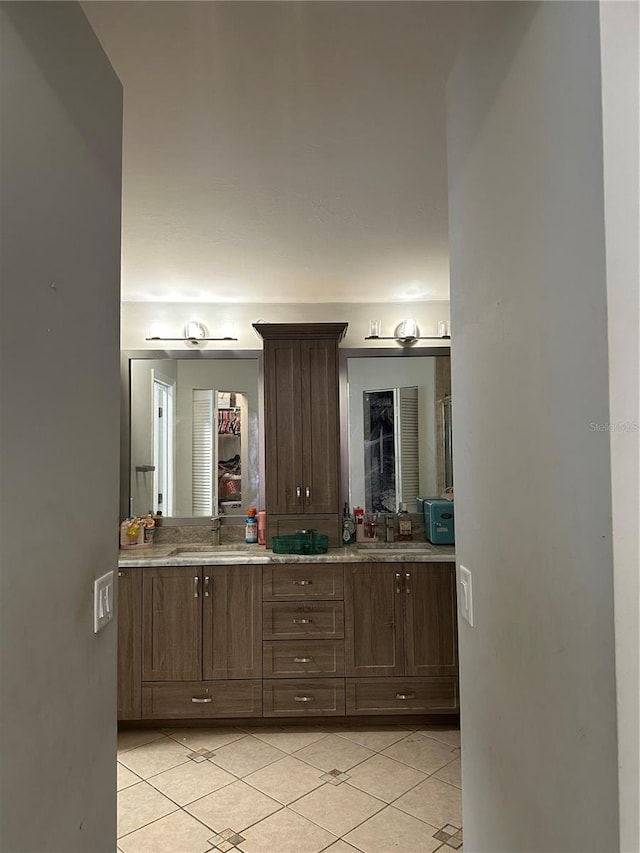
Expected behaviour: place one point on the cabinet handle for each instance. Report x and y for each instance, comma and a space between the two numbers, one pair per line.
407, 578
206, 586
298, 492
405, 696
197, 701
307, 492
122, 574
302, 621
302, 660
195, 586
303, 698
397, 582
302, 583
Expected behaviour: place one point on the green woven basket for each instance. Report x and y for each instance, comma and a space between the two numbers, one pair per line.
300, 543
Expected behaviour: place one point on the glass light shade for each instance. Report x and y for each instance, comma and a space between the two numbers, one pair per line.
407, 331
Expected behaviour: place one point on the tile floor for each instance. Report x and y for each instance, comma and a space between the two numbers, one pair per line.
285, 789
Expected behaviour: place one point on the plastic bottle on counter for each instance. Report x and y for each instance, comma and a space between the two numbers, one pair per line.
262, 527
149, 528
251, 527
405, 526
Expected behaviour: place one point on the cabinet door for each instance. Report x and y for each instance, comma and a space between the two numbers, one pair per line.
373, 619
320, 426
283, 427
129, 643
431, 629
232, 622
172, 624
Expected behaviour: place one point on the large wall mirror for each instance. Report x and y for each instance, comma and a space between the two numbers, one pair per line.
399, 430
193, 436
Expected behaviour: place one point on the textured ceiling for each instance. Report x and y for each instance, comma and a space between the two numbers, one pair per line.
283, 152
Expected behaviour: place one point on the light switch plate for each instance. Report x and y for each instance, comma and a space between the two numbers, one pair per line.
102, 601
466, 595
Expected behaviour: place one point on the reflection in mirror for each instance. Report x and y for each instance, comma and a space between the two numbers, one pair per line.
398, 437
194, 444
391, 464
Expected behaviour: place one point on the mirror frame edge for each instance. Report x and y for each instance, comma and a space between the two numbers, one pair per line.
367, 352
126, 357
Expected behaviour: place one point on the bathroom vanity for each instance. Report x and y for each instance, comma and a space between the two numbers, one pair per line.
229, 635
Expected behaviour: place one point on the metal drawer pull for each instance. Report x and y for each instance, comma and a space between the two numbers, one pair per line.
397, 581
201, 701
405, 696
302, 621
122, 574
298, 492
308, 492
195, 586
302, 583
206, 586
407, 578
302, 660
303, 698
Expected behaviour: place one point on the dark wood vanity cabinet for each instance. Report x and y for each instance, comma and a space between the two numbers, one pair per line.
129, 643
401, 640
202, 623
302, 426
287, 640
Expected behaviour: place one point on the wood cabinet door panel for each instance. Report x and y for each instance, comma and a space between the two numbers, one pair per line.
302, 580
431, 629
320, 426
402, 696
373, 619
202, 700
296, 621
172, 624
283, 427
129, 643
232, 622
300, 658
320, 697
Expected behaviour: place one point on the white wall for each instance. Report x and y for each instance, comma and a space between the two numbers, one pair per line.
529, 375
620, 99
373, 374
173, 317
59, 401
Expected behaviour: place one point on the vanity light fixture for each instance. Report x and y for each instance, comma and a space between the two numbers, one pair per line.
406, 333
195, 332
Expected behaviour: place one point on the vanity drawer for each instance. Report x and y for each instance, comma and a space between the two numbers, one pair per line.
402, 695
201, 699
308, 581
300, 620
304, 697
293, 658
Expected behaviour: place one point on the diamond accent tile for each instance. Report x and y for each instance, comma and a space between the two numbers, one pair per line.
201, 754
441, 836
225, 846
454, 842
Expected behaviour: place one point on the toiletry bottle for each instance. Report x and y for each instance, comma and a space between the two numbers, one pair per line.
359, 516
251, 527
124, 527
405, 532
262, 527
149, 528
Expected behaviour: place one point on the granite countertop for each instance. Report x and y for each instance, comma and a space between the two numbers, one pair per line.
199, 554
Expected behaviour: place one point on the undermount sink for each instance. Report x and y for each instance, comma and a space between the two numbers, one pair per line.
212, 551
414, 550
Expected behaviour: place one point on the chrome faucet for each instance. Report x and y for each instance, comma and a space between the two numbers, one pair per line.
215, 529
